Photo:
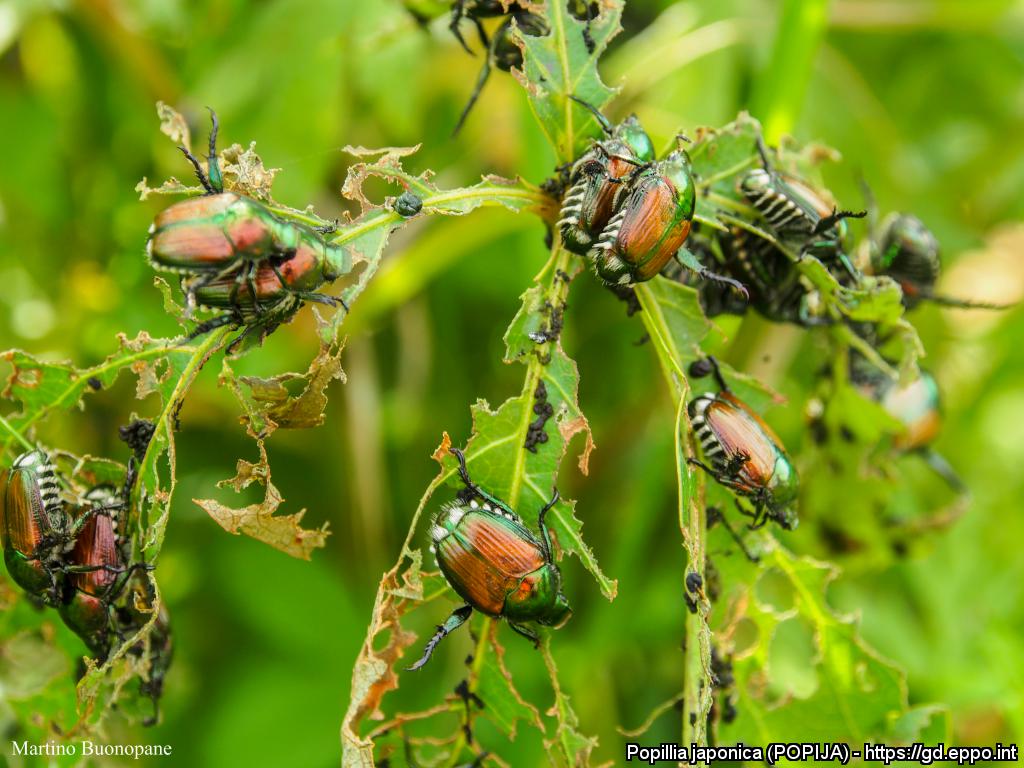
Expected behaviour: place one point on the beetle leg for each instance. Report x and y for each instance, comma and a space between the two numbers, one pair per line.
458, 617
759, 514
949, 301
213, 323
464, 472
250, 281
714, 515
707, 274
519, 629
719, 379
762, 151
458, 11
482, 34
943, 469
698, 463
481, 80
321, 298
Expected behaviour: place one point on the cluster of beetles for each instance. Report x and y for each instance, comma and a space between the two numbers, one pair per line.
629, 214
72, 552
623, 209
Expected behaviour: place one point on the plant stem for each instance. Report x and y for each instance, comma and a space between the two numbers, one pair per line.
16, 434
696, 697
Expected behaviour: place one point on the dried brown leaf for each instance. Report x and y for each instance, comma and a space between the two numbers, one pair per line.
282, 532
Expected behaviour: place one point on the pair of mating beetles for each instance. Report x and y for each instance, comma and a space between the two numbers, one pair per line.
77, 562
234, 254
502, 569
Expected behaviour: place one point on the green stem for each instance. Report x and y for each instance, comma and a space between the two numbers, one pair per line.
474, 674
164, 433
16, 434
696, 695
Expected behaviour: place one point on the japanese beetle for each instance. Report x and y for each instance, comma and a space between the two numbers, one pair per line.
653, 211
495, 563
224, 234
96, 573
908, 252
918, 408
744, 453
37, 530
798, 215
595, 179
274, 284
778, 290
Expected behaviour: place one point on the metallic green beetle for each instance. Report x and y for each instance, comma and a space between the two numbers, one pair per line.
744, 453
225, 236
495, 563
37, 530
798, 214
908, 252
653, 211
596, 177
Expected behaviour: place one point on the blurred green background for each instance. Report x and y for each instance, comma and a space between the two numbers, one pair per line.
924, 99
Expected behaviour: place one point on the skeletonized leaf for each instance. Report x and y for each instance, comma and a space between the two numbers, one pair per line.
283, 532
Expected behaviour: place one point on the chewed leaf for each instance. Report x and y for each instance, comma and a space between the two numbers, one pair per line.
244, 172
170, 187
806, 656
272, 403
563, 64
365, 237
282, 532
374, 674
173, 125
503, 704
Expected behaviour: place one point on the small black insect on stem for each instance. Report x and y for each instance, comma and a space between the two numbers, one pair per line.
626, 294
137, 435
469, 698
535, 434
551, 331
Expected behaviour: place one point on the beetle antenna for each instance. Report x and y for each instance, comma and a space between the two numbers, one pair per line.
830, 221
601, 119
762, 150
464, 473
199, 171
540, 521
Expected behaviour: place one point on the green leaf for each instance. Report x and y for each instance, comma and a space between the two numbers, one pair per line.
559, 65
503, 704
808, 676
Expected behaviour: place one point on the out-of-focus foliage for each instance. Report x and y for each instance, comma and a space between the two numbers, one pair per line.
922, 98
